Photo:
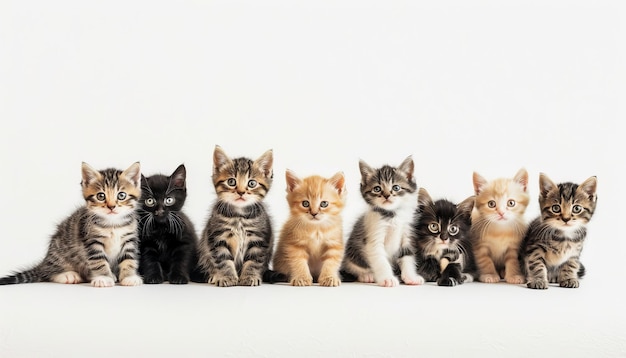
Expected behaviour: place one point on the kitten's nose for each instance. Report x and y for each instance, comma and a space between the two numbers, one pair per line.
566, 219
240, 192
314, 214
111, 206
159, 212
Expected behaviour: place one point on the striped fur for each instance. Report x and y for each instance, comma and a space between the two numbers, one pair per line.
551, 248
237, 241
97, 243
381, 243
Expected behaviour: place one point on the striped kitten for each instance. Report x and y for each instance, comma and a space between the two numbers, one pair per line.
381, 243
498, 226
311, 246
98, 242
237, 242
554, 241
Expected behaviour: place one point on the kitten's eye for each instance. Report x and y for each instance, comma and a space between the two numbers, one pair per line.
377, 189
150, 202
306, 203
121, 195
396, 187
231, 182
453, 230
433, 227
510, 203
556, 208
491, 204
169, 201
324, 204
101, 196
577, 209
252, 184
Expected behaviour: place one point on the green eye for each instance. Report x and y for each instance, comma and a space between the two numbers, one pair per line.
577, 209
377, 189
121, 195
150, 202
306, 203
324, 204
231, 182
491, 204
433, 227
556, 208
101, 196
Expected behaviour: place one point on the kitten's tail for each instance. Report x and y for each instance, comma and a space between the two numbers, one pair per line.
29, 276
271, 276
347, 276
581, 270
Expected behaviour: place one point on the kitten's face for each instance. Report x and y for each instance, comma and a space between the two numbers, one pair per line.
315, 199
111, 194
567, 206
387, 187
163, 196
502, 200
241, 182
442, 224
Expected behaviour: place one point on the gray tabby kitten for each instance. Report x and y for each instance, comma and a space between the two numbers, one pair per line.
554, 241
381, 243
237, 242
98, 242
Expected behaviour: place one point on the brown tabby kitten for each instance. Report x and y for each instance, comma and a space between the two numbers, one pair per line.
554, 241
498, 226
237, 241
311, 241
99, 241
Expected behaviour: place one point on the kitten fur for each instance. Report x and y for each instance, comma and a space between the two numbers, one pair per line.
498, 226
381, 243
554, 241
168, 238
237, 241
98, 243
442, 232
310, 245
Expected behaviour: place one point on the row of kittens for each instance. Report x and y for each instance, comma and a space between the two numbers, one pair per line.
132, 230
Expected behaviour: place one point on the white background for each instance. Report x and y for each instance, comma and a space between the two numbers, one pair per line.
462, 86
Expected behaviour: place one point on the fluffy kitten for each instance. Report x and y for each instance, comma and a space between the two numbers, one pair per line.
98, 242
168, 238
444, 251
237, 242
498, 226
381, 243
552, 246
310, 247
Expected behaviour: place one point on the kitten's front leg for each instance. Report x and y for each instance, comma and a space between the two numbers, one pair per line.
381, 267
513, 272
568, 274
486, 267
179, 271
536, 270
97, 261
451, 275
223, 271
299, 272
255, 264
331, 261
128, 263
150, 267
408, 270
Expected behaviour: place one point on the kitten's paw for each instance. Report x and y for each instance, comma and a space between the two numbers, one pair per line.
449, 282
150, 280
412, 279
69, 277
389, 282
366, 278
330, 281
489, 278
302, 281
569, 283
515, 279
178, 280
102, 281
249, 281
224, 281
537, 284
133, 280
467, 278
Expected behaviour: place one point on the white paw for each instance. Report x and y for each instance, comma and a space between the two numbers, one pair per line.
389, 282
69, 277
133, 280
102, 281
412, 279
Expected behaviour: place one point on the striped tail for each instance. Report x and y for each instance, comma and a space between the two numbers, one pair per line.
28, 276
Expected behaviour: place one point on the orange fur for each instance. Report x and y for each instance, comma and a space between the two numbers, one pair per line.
310, 247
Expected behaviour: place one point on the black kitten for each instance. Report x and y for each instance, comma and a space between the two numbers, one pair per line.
167, 237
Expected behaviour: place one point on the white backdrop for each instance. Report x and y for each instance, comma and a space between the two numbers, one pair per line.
462, 86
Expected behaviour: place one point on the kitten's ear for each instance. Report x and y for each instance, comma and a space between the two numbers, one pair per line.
339, 182
219, 159
292, 180
89, 175
522, 178
265, 163
133, 174
589, 187
177, 179
467, 205
479, 183
366, 171
545, 185
423, 198
407, 167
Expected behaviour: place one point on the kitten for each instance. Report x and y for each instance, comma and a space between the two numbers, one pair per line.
444, 252
498, 226
381, 243
98, 242
310, 247
168, 238
554, 240
237, 242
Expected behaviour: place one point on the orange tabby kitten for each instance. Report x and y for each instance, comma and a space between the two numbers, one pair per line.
310, 247
498, 226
